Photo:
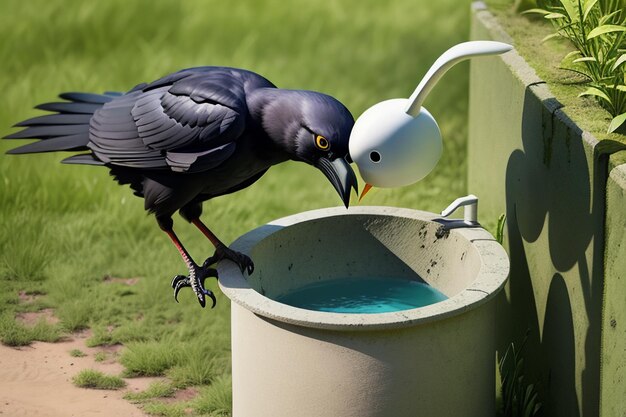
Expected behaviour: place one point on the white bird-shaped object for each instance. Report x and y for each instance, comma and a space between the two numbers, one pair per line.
397, 142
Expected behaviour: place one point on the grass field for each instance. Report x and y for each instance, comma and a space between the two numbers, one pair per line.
65, 229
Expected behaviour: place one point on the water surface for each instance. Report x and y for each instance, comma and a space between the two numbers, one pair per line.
362, 295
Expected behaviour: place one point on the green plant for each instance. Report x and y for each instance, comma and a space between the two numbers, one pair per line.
597, 28
500, 228
77, 353
101, 337
519, 399
14, 333
158, 389
197, 366
149, 358
216, 399
89, 378
165, 409
100, 357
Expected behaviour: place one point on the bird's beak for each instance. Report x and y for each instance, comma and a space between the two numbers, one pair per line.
340, 175
366, 189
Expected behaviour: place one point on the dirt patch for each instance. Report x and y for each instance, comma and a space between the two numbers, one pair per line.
442, 232
108, 353
37, 381
185, 394
28, 298
111, 349
116, 280
33, 317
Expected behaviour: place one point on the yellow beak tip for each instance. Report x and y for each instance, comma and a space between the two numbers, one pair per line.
365, 191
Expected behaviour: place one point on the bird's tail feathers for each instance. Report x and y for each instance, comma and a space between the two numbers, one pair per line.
65, 130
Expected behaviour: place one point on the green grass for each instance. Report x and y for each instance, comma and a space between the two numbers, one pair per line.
14, 333
77, 353
199, 364
158, 389
65, 228
527, 32
165, 409
89, 378
150, 358
215, 399
597, 33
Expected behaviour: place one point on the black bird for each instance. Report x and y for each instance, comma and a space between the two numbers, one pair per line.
194, 135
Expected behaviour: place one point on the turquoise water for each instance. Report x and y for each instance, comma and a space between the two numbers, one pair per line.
363, 295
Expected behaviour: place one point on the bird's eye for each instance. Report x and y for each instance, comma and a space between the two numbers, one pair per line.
322, 143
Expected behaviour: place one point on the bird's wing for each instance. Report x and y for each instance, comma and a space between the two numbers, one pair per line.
188, 121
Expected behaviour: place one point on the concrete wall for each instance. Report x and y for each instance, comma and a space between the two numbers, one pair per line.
613, 364
529, 160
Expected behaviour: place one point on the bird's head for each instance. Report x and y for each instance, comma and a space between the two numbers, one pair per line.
313, 128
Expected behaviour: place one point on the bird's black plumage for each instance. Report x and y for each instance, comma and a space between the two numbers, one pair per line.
194, 135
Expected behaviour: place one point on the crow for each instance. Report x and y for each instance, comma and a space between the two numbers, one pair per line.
194, 135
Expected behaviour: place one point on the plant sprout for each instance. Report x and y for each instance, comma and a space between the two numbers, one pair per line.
500, 228
597, 28
519, 399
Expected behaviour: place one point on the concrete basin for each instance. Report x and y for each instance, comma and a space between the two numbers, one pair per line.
437, 360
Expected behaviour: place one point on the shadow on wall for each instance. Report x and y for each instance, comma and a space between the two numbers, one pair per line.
555, 227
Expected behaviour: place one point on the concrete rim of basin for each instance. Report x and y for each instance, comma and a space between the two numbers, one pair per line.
490, 279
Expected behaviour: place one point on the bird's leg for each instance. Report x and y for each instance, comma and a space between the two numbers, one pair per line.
222, 251
197, 275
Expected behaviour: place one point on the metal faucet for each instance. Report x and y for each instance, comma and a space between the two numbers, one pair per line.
470, 215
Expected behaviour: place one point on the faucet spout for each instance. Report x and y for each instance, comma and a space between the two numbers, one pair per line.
446, 61
470, 215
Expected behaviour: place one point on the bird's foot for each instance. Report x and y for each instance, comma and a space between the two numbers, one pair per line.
195, 280
222, 252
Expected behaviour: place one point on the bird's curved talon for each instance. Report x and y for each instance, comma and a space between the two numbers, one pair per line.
243, 261
207, 273
195, 281
209, 261
179, 281
210, 294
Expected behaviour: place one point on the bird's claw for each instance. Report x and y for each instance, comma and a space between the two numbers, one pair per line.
195, 281
197, 274
243, 261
